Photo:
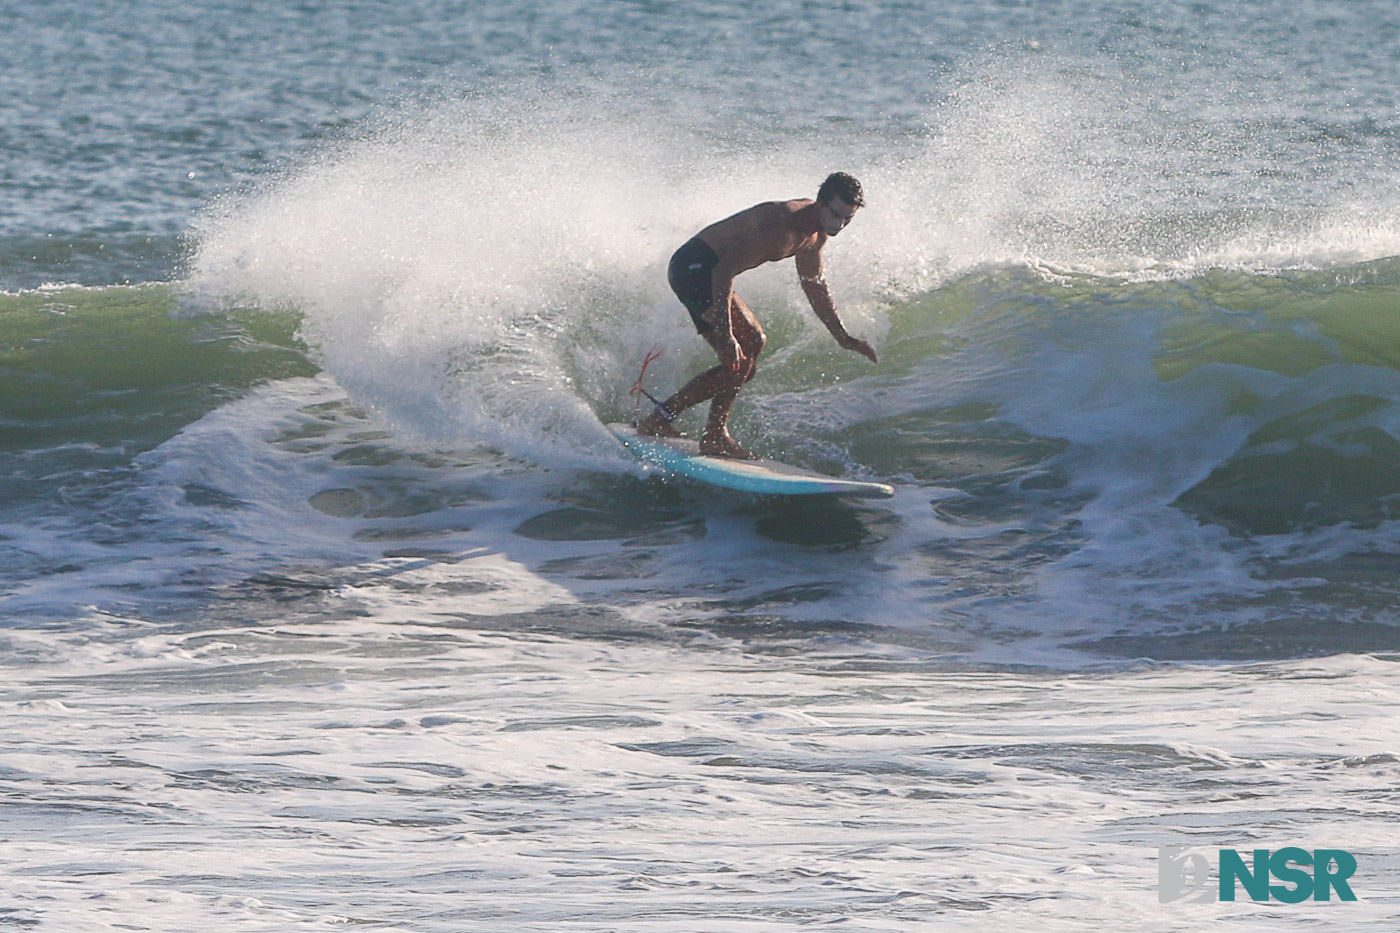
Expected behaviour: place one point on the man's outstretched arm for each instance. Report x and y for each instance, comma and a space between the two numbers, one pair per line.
809, 271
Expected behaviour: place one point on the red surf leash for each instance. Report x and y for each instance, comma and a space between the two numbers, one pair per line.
638, 389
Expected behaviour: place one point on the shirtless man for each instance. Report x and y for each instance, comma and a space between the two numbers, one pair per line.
702, 275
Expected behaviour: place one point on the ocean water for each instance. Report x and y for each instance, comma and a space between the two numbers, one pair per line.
327, 601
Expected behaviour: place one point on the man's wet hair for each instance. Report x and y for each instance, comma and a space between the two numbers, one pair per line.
843, 186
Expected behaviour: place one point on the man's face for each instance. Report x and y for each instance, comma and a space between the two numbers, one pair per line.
835, 213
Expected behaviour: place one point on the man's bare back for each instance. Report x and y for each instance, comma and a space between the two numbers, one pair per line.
702, 274
767, 232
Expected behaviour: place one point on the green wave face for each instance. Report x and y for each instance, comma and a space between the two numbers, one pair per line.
120, 368
1302, 369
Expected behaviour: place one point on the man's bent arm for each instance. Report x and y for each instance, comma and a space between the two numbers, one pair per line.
722, 296
722, 292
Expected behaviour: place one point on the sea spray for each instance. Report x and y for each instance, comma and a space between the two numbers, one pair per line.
466, 271
493, 268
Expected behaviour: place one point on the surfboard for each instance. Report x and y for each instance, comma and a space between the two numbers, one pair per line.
767, 477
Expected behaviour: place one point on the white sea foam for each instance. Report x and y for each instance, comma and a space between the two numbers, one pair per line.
653, 786
484, 271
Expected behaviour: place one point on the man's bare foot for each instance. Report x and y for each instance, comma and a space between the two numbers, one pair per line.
724, 446
654, 425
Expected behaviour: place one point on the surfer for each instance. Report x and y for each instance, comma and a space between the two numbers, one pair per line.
702, 274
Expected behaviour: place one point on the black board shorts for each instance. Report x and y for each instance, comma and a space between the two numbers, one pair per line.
691, 275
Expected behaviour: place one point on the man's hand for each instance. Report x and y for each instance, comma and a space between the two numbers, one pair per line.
730, 353
860, 346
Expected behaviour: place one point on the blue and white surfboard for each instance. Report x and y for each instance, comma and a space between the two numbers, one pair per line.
767, 477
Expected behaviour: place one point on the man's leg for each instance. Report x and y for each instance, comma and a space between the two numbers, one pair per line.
716, 440
717, 383
697, 390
